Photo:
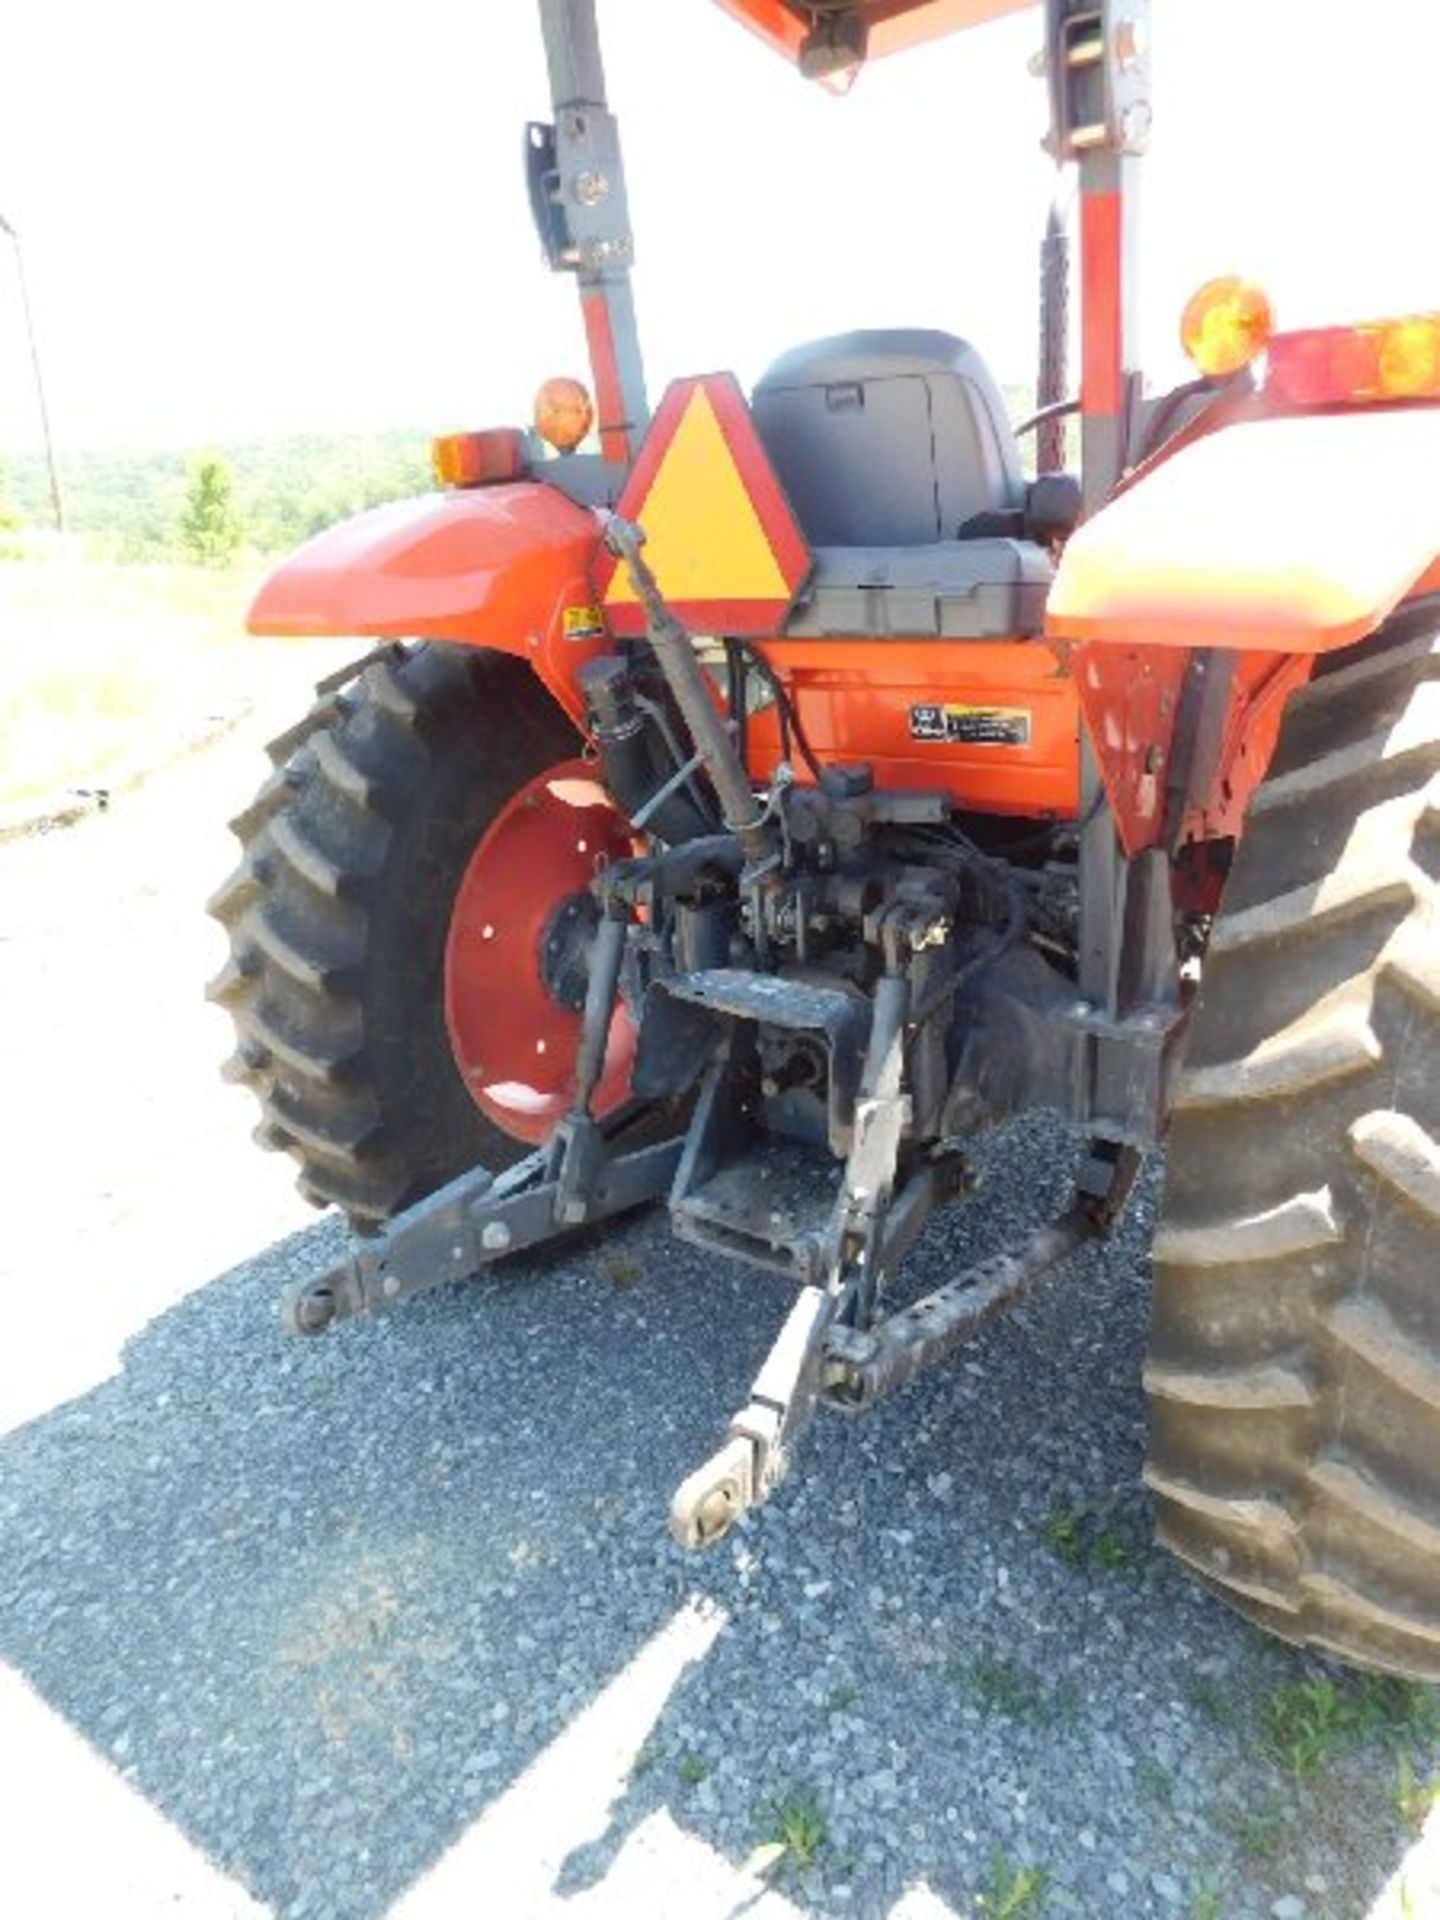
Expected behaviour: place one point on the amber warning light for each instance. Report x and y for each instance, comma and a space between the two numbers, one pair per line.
1378, 360
479, 459
1226, 323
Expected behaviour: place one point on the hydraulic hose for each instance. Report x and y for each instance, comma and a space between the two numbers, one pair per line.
744, 815
634, 771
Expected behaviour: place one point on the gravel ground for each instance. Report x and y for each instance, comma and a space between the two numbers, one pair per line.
389, 1621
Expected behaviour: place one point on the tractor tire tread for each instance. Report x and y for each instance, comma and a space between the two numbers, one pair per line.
334, 852
1294, 1368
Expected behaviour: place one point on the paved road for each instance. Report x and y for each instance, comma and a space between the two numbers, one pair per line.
389, 1622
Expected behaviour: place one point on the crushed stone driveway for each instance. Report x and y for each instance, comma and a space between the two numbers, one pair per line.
389, 1622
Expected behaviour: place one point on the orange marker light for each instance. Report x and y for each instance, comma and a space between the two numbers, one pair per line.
478, 459
1410, 358
1377, 360
564, 413
1225, 324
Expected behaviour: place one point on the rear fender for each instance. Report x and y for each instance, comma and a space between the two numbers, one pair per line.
503, 567
1291, 534
1250, 550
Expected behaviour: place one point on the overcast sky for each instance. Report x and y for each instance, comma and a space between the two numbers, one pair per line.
309, 213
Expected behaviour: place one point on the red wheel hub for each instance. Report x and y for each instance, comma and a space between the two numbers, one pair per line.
513, 1039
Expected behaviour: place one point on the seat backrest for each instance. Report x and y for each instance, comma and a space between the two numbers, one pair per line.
887, 438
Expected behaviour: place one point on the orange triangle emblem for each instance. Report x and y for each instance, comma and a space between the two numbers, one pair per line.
720, 536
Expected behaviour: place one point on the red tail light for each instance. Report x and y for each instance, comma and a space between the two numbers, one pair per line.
1378, 360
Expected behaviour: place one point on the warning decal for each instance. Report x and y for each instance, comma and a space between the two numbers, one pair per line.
583, 623
971, 726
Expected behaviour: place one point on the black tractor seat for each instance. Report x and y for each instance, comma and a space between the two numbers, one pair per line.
887, 439
897, 456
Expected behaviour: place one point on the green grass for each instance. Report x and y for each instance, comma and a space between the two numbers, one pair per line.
1219, 1707
105, 669
1003, 1686
1083, 1536
793, 1836
1411, 1796
691, 1769
620, 1268
1012, 1892
1157, 1783
1306, 1721
1205, 1899
1258, 1827
1000, 1685
1309, 1719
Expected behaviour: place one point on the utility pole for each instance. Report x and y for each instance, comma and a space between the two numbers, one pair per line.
55, 502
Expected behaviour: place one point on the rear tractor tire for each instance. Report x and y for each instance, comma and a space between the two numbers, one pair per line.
408, 928
1294, 1368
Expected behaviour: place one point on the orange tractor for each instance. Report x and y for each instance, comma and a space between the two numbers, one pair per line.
752, 809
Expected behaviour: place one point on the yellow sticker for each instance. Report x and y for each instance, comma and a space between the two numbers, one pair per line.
583, 623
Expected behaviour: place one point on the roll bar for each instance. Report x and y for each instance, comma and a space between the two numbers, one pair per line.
1097, 68
577, 196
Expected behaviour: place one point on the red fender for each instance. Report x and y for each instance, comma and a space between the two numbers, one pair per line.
504, 567
1295, 534
1276, 538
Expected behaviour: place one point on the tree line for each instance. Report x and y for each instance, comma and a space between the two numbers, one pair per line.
253, 497
214, 507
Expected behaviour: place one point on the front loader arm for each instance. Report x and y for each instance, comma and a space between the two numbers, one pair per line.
504, 567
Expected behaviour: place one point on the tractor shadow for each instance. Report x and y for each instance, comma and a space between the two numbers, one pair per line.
324, 1603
